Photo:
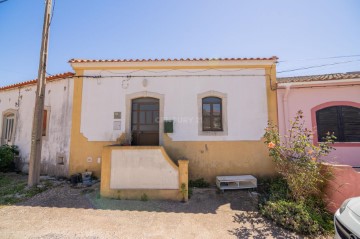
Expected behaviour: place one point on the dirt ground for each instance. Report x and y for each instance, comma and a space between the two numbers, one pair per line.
66, 212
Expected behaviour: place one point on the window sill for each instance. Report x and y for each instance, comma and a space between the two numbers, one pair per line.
212, 133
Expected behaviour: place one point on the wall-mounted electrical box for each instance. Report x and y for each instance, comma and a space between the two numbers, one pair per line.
168, 126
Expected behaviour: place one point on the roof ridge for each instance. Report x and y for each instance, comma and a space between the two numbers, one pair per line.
31, 82
74, 60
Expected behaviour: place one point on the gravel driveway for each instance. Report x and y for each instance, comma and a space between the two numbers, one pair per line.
66, 212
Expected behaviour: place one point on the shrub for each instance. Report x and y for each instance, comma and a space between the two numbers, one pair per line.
297, 160
276, 203
198, 183
7, 154
273, 189
295, 199
292, 216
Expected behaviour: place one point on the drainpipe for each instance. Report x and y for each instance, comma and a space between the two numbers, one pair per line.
286, 108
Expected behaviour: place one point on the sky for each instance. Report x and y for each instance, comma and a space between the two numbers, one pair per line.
302, 34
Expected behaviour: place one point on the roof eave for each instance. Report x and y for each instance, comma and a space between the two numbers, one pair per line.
167, 64
283, 85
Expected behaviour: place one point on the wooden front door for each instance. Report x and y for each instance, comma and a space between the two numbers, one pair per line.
145, 121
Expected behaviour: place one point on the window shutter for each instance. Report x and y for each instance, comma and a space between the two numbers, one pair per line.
327, 121
351, 123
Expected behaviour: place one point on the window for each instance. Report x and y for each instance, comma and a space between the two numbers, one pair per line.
212, 114
8, 128
343, 120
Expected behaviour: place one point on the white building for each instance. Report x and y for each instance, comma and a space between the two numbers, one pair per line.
17, 108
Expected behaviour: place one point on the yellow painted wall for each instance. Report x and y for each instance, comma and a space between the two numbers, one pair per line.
80, 147
210, 159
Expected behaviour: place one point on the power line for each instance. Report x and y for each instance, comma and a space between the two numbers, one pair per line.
317, 66
2, 1
321, 58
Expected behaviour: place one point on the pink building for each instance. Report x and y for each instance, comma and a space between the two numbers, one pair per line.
331, 103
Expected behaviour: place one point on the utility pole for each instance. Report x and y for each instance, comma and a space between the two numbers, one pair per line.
36, 136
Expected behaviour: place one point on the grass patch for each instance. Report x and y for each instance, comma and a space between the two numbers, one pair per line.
13, 188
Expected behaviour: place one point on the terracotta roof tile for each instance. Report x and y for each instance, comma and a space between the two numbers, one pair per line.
32, 82
325, 77
170, 60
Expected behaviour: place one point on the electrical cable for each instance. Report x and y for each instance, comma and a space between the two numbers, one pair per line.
155, 76
317, 66
322, 58
165, 71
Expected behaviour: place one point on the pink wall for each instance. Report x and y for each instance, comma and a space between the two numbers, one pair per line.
306, 99
345, 184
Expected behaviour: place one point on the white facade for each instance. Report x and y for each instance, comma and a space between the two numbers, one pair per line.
56, 143
245, 104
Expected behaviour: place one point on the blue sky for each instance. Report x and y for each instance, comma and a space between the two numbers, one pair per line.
300, 33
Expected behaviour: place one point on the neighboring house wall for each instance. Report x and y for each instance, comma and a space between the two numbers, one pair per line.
308, 97
248, 103
56, 142
343, 184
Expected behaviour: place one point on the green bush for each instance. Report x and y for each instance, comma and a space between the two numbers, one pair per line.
198, 183
295, 199
292, 216
273, 189
297, 159
7, 154
277, 204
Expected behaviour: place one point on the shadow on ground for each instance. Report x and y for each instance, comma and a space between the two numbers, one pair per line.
208, 200
253, 225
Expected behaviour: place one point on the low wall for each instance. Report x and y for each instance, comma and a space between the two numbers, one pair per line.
345, 184
130, 172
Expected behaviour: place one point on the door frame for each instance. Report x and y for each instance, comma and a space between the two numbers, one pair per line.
141, 94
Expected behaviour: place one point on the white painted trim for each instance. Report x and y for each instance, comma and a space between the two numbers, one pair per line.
224, 119
7, 112
130, 97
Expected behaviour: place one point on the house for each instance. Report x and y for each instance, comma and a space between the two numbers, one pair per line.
331, 103
210, 113
17, 110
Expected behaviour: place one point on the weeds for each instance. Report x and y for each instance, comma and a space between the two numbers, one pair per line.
144, 197
14, 190
198, 183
